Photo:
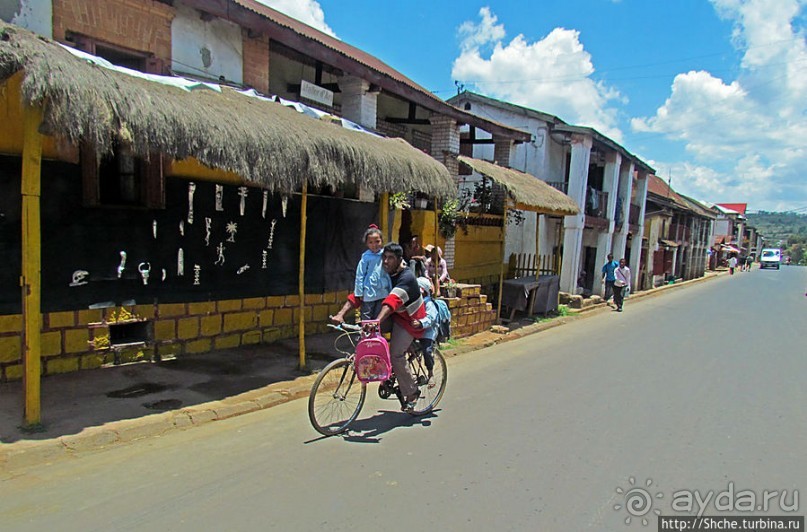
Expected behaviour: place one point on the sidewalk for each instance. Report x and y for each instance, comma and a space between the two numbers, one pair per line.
93, 409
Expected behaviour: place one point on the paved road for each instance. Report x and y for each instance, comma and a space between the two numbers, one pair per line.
695, 389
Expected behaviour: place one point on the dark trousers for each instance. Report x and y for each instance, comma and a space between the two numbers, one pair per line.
618, 296
609, 290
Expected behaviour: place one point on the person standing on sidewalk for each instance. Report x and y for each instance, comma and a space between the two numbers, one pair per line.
732, 264
608, 278
621, 283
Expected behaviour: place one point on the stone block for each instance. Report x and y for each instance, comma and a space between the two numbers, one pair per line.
254, 303
188, 328
76, 340
291, 301
227, 341
275, 301
201, 345
57, 320
210, 325
271, 335
171, 310
240, 321
283, 317
168, 351
202, 308
11, 348
11, 323
51, 343
313, 299
229, 305
266, 317
61, 365
146, 312
165, 330
251, 338
13, 373
575, 301
88, 316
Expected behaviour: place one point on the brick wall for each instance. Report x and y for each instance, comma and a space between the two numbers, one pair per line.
176, 329
256, 62
141, 25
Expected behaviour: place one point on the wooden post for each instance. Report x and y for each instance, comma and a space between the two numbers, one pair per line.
31, 264
383, 213
301, 282
501, 265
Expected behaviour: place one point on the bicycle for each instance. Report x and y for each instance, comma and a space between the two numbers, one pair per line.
345, 343
337, 396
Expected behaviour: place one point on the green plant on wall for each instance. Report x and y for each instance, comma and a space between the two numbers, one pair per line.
399, 200
451, 217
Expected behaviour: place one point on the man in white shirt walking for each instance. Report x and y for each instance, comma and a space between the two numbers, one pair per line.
621, 284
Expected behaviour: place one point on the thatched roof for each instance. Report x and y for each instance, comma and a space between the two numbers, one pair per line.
527, 191
264, 142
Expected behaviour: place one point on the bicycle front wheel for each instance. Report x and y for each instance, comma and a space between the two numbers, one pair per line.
430, 394
336, 398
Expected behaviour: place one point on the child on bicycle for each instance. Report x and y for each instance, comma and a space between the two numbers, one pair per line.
372, 283
429, 325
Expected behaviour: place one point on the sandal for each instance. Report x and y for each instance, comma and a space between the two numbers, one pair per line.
431, 384
409, 406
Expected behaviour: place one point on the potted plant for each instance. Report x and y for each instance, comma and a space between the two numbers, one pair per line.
450, 288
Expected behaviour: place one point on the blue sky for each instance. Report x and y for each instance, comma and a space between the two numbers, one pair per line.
712, 93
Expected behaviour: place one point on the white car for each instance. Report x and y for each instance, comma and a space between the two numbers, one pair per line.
770, 258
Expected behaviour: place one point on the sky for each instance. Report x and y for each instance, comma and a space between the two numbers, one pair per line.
710, 93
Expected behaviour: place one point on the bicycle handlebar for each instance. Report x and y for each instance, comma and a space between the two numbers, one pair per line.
345, 327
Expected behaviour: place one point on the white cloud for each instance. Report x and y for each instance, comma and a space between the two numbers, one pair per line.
551, 75
307, 11
746, 136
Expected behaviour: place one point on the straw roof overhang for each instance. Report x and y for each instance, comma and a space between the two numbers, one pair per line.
299, 36
527, 191
266, 143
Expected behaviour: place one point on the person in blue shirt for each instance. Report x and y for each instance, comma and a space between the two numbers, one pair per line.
429, 326
372, 283
609, 277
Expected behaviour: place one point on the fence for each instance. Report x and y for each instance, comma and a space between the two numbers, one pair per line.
527, 264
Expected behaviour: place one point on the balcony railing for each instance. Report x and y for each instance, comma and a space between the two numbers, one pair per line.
596, 203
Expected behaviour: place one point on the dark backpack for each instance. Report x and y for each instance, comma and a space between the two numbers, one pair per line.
443, 321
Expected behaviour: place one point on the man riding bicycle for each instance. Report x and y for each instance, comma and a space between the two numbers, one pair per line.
405, 305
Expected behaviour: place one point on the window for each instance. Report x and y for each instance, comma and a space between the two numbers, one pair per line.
122, 179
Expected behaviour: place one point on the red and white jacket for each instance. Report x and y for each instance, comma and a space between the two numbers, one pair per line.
404, 299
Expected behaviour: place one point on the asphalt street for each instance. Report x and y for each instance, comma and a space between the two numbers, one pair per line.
700, 388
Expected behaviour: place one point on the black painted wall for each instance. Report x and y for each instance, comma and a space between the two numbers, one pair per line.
91, 239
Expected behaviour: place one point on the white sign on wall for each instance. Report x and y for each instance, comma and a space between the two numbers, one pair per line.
315, 93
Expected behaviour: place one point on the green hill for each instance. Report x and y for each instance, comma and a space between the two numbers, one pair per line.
785, 230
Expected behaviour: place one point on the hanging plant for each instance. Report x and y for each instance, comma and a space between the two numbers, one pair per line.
399, 200
452, 216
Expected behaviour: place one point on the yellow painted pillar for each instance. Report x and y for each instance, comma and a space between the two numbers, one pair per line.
501, 265
383, 213
31, 264
301, 282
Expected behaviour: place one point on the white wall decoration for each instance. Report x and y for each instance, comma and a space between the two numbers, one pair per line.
243, 191
219, 198
79, 277
191, 190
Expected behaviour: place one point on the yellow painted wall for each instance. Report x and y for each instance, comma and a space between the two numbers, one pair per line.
11, 132
478, 254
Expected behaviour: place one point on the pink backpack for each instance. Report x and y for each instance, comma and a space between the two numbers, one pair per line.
372, 354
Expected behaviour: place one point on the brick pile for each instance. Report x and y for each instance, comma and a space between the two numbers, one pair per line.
470, 311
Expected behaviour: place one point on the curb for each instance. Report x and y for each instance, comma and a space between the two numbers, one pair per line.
23, 454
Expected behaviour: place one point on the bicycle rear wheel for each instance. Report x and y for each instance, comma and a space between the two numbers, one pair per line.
429, 396
336, 398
